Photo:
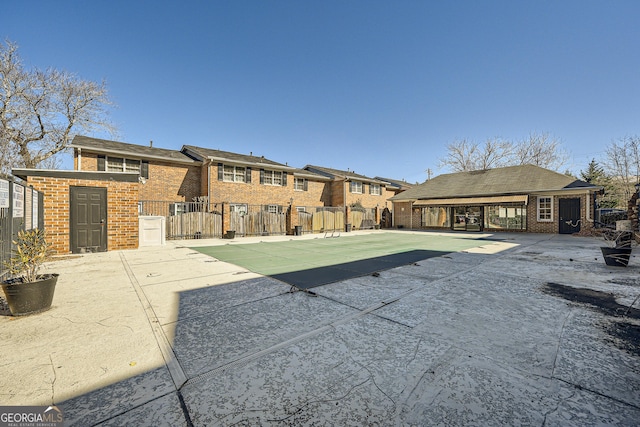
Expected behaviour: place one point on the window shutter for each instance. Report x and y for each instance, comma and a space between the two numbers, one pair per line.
144, 169
101, 163
284, 179
220, 172
261, 176
247, 177
305, 185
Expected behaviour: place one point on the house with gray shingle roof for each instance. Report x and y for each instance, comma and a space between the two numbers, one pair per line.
349, 188
516, 198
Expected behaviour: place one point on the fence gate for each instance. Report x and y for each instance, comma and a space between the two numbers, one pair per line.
363, 218
321, 219
257, 220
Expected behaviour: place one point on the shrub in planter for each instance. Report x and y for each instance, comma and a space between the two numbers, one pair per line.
27, 291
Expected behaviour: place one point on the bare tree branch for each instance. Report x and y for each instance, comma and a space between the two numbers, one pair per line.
41, 111
538, 149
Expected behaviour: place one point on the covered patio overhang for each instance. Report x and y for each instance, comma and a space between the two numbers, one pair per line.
468, 201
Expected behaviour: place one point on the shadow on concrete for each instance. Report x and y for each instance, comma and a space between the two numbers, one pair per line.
310, 278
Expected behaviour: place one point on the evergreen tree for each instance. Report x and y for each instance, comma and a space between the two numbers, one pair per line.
595, 174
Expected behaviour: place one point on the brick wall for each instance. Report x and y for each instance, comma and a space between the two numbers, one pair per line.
402, 215
535, 226
365, 199
172, 182
254, 193
122, 210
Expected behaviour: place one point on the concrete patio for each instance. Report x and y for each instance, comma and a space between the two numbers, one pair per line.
493, 335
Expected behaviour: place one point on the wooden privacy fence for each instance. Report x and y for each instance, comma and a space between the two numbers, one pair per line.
363, 218
258, 221
194, 225
321, 219
185, 220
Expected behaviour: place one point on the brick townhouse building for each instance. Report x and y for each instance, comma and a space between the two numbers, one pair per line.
201, 192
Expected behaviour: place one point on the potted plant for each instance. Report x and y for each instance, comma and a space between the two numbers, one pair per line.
27, 291
618, 252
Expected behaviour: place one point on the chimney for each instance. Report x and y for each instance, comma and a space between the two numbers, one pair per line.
150, 143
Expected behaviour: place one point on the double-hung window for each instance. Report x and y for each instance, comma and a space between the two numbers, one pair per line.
545, 209
355, 187
375, 189
272, 177
233, 173
120, 164
300, 184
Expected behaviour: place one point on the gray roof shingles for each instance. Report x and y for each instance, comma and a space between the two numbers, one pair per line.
125, 149
522, 179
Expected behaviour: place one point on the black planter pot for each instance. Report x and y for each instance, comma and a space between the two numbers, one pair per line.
29, 298
616, 257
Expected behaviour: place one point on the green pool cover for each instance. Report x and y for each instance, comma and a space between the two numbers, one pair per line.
306, 263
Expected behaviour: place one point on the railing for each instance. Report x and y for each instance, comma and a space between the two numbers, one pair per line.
21, 208
608, 218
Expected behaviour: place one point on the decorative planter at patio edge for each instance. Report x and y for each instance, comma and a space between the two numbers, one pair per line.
616, 257
30, 298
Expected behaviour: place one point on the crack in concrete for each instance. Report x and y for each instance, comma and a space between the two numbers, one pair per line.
551, 411
53, 383
311, 402
555, 359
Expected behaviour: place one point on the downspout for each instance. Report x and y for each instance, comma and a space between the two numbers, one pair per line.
209, 183
79, 157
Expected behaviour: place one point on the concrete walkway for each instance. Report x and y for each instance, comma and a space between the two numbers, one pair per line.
522, 330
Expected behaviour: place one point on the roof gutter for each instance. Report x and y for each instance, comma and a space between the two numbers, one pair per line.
242, 162
136, 155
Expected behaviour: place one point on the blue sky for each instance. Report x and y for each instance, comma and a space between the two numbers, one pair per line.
376, 87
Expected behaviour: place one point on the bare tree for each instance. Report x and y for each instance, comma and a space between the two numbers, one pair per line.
495, 153
460, 156
623, 164
40, 111
538, 149
464, 155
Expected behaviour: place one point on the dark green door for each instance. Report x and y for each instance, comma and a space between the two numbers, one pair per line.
88, 219
569, 210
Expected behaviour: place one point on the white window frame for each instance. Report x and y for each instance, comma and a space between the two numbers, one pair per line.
298, 184
353, 187
375, 189
241, 208
122, 165
539, 209
272, 177
301, 209
232, 173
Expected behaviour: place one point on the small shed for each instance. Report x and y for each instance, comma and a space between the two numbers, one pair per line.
87, 211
